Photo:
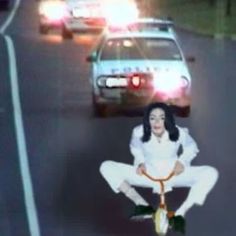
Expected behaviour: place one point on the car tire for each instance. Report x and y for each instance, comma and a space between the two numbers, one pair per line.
43, 29
66, 34
99, 110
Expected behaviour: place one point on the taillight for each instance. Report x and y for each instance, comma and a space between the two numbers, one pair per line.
135, 81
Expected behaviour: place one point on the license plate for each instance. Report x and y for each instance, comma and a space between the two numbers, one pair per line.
116, 82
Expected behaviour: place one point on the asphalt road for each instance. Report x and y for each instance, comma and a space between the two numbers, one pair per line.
66, 144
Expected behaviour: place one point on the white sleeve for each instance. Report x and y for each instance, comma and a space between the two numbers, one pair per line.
189, 147
136, 148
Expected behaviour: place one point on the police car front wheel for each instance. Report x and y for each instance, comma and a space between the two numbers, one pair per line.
43, 29
66, 34
184, 111
100, 110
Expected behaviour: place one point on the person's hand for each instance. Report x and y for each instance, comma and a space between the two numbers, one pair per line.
140, 169
178, 168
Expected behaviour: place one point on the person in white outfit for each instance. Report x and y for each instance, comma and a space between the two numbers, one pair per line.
160, 147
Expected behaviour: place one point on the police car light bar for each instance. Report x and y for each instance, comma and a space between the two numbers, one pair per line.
112, 10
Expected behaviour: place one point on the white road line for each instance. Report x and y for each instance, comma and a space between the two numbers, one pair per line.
10, 17
19, 129
21, 143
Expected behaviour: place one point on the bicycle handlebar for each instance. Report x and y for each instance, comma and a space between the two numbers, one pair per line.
161, 182
158, 180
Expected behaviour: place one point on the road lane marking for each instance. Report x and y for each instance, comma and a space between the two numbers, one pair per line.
29, 201
10, 17
21, 143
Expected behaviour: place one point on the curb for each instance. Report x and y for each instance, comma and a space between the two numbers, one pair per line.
216, 36
233, 37
219, 36
222, 36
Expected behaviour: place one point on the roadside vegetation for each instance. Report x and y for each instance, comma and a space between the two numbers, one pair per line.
210, 17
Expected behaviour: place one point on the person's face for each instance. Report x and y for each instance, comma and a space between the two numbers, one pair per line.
157, 119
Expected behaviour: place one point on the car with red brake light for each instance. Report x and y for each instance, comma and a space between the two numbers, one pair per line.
83, 16
130, 69
95, 15
51, 15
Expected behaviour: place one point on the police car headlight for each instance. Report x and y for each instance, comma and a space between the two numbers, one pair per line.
184, 83
101, 81
167, 82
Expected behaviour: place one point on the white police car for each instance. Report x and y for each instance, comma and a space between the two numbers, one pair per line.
133, 68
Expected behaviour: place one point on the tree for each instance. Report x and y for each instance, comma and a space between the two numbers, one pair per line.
212, 3
228, 8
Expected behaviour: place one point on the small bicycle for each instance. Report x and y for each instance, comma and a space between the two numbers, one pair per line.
164, 219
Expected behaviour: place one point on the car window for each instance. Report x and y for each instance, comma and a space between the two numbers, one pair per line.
140, 48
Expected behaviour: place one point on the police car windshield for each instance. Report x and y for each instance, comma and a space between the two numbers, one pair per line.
140, 49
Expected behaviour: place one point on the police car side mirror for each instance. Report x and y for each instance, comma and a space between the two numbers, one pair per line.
170, 18
91, 58
190, 59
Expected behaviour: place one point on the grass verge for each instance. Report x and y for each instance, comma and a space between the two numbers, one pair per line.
199, 15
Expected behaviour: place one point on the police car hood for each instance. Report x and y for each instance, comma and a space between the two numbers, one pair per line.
136, 66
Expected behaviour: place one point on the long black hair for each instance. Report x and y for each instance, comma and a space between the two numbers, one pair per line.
169, 122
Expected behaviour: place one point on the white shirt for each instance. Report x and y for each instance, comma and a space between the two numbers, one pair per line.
160, 155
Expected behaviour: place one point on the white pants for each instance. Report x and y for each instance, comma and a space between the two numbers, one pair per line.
200, 179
